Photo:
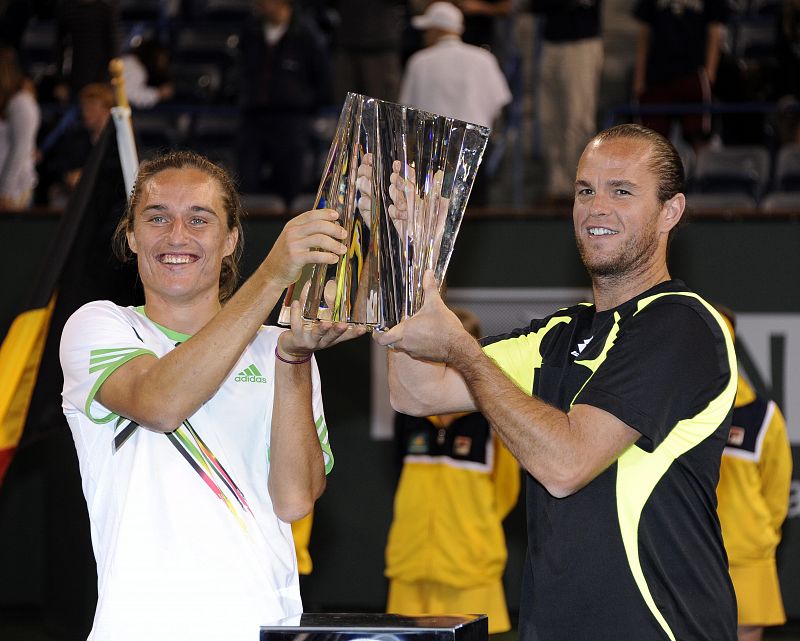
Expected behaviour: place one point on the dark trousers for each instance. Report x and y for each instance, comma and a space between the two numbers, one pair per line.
691, 88
275, 154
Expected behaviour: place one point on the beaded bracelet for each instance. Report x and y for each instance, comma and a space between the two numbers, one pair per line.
285, 360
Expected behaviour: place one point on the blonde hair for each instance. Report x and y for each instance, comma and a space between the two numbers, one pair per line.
665, 163
98, 91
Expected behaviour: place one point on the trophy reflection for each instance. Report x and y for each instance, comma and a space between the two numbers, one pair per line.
400, 179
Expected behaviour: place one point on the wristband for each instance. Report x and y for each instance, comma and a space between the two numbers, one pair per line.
285, 360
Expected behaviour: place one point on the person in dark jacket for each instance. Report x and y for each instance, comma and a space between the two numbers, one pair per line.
677, 56
87, 38
286, 78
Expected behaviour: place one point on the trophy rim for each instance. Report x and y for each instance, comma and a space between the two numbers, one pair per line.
484, 130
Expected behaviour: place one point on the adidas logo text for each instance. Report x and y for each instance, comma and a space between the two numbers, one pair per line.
250, 375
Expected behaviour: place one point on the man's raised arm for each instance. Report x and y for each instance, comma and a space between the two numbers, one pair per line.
563, 451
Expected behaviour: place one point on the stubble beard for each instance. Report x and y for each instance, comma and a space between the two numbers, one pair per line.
632, 258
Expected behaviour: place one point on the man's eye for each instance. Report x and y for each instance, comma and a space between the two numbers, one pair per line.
198, 221
158, 219
585, 192
623, 192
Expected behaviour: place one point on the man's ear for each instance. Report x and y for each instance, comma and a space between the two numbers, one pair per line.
131, 240
672, 212
231, 240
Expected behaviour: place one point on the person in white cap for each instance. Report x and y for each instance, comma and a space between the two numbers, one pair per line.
452, 78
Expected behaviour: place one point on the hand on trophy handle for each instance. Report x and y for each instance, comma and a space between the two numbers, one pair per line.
433, 333
312, 237
305, 337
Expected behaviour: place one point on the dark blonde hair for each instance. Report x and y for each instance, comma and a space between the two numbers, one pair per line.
229, 274
665, 162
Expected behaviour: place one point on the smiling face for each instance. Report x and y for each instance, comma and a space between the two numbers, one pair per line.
180, 236
621, 228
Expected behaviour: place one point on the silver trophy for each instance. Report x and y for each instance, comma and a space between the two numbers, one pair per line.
400, 179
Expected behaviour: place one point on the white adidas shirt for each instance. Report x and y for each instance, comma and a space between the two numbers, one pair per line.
185, 537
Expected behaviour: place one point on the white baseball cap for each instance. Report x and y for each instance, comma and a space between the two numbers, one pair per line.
440, 15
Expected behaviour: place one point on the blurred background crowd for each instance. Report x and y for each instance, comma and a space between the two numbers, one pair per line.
258, 85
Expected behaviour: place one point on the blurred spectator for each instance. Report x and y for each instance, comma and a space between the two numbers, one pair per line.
740, 80
677, 55
451, 78
479, 20
147, 76
63, 165
572, 63
788, 81
285, 80
446, 550
369, 40
753, 493
19, 124
86, 41
788, 22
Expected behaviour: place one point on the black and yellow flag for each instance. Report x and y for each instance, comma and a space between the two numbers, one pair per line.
77, 268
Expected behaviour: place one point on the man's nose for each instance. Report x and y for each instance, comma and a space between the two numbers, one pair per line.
599, 204
177, 232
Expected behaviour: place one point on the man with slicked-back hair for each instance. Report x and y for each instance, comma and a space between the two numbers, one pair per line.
618, 409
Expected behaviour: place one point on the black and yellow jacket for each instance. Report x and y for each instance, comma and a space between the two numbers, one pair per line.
457, 485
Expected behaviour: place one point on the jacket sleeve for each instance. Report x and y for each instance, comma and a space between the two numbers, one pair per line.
775, 468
